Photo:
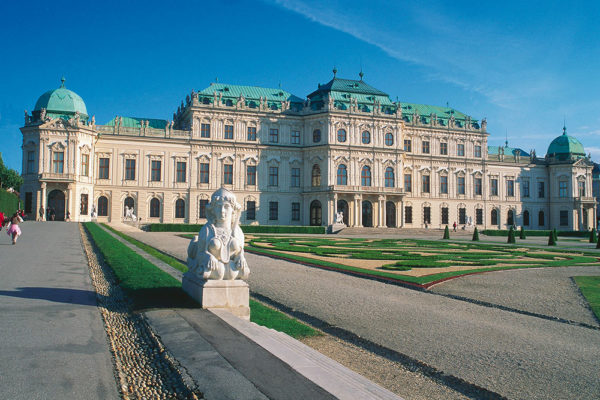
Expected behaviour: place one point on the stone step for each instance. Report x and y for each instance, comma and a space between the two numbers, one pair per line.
328, 374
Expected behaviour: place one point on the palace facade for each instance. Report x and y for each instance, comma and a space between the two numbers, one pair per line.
297, 161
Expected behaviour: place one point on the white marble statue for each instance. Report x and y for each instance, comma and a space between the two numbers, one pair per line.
129, 215
339, 217
217, 252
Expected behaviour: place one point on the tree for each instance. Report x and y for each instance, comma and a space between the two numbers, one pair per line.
555, 234
522, 234
446, 233
593, 236
598, 244
475, 235
511, 236
551, 240
9, 178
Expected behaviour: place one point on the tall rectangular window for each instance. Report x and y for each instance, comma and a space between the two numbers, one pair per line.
251, 175
425, 184
407, 145
494, 187
525, 189
295, 211
156, 171
408, 214
445, 216
427, 215
28, 202
103, 168
202, 208
425, 147
562, 189
460, 150
462, 216
205, 130
479, 216
30, 162
581, 188
444, 149
295, 177
83, 204
477, 151
407, 183
273, 135
443, 184
204, 172
295, 137
58, 162
228, 131
477, 186
252, 133
273, 176
129, 169
181, 171
85, 165
273, 210
228, 174
541, 190
251, 210
564, 218
460, 185
510, 187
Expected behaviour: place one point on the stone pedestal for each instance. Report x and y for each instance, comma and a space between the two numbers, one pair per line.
230, 295
335, 228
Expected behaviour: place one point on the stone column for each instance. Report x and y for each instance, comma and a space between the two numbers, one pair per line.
381, 211
357, 210
44, 201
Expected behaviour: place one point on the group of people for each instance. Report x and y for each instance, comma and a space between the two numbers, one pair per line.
12, 224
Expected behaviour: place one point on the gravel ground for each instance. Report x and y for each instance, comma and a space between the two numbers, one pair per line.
515, 355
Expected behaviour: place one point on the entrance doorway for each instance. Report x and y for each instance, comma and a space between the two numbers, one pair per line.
315, 213
56, 204
367, 214
390, 214
342, 205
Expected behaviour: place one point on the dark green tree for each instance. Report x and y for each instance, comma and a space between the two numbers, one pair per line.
475, 235
9, 178
522, 234
555, 235
551, 239
598, 244
446, 233
511, 236
593, 236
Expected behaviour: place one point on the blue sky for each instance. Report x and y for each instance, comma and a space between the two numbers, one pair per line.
526, 66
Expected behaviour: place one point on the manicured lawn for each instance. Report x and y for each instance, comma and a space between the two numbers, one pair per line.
590, 288
150, 287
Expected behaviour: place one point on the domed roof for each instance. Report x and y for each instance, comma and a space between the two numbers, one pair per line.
565, 145
61, 101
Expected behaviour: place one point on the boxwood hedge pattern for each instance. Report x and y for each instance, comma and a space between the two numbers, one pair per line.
245, 228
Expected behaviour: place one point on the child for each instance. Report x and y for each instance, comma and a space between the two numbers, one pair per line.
14, 231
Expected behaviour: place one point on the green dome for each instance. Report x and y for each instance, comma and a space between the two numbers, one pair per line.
61, 101
565, 145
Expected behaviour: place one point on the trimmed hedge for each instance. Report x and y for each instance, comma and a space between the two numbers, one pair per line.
245, 228
504, 232
9, 202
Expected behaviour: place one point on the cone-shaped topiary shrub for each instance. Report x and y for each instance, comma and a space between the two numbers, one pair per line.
555, 235
522, 234
551, 240
446, 233
476, 235
511, 236
598, 245
593, 236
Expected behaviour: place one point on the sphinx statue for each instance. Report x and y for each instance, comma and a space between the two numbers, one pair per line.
217, 252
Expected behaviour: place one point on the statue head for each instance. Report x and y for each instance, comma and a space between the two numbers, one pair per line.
223, 209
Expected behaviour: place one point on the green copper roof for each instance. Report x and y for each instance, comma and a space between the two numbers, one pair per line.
61, 101
133, 122
250, 93
565, 145
349, 86
509, 151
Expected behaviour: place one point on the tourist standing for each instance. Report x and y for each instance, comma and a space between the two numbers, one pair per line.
41, 213
454, 226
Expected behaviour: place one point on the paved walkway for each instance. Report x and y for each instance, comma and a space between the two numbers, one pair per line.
506, 352
52, 339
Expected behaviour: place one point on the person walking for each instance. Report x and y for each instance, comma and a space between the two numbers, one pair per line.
14, 231
454, 226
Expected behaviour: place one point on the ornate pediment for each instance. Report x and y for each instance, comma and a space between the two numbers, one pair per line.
85, 149
57, 146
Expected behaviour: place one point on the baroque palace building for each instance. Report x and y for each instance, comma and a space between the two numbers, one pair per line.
291, 161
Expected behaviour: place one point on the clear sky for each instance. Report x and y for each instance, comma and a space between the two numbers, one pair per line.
525, 65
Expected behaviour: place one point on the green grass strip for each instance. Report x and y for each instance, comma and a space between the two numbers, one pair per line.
137, 280
150, 250
590, 288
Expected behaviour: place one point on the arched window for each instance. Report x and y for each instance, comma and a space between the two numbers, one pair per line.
541, 221
341, 135
365, 176
494, 216
316, 176
180, 208
510, 217
315, 213
389, 139
102, 206
526, 218
389, 177
366, 137
342, 175
316, 135
154, 208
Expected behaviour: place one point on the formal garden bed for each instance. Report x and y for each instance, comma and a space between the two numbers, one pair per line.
415, 262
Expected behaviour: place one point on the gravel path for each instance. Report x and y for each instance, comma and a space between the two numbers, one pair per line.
515, 355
